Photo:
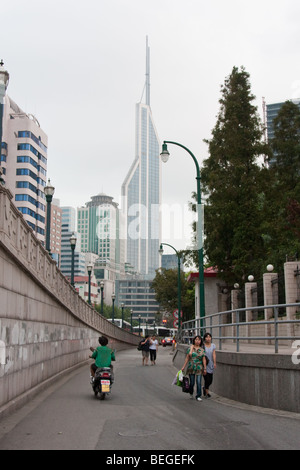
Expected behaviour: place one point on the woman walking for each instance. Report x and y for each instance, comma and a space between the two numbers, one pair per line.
210, 351
196, 365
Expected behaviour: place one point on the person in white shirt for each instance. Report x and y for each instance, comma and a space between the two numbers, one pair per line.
153, 349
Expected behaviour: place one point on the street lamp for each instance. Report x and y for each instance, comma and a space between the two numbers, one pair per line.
4, 79
49, 191
113, 298
122, 307
131, 313
165, 156
101, 288
89, 270
139, 325
73, 240
178, 281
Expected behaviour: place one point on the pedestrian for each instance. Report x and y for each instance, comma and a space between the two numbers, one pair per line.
196, 365
145, 345
153, 349
210, 352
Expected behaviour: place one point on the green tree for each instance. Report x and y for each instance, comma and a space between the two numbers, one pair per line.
282, 201
165, 286
232, 183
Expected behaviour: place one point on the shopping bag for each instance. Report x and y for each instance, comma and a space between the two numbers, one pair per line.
186, 385
178, 379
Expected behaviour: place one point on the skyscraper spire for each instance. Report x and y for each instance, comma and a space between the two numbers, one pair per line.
147, 73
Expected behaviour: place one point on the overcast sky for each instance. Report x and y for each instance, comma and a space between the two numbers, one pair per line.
79, 67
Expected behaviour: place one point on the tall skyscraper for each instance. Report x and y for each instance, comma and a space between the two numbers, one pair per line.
141, 191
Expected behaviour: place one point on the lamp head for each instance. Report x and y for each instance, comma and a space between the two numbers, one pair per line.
89, 267
49, 189
73, 240
165, 153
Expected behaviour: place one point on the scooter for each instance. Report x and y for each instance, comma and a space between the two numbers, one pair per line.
102, 382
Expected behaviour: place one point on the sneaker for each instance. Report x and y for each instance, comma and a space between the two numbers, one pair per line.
91, 379
191, 396
199, 399
208, 395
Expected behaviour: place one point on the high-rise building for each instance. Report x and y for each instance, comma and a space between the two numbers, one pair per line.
141, 192
24, 164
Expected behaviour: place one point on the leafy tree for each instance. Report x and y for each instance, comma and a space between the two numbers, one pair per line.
231, 180
165, 285
282, 201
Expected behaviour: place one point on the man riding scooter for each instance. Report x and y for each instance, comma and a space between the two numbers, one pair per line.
103, 356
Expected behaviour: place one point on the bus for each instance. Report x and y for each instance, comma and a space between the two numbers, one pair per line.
161, 331
118, 322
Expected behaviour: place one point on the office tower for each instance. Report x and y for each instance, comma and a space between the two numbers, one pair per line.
67, 229
24, 164
141, 192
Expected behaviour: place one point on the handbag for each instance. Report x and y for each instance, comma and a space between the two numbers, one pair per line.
185, 384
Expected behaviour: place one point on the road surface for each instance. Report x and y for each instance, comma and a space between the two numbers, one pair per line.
143, 412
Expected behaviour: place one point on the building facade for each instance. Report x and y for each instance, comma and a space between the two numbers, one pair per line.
24, 164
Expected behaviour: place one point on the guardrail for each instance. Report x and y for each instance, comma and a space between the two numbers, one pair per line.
213, 322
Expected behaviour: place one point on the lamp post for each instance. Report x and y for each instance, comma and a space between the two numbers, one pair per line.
139, 325
101, 288
113, 298
122, 307
4, 79
49, 191
131, 313
178, 281
165, 156
73, 244
89, 270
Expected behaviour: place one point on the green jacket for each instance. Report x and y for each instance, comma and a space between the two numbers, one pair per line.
103, 356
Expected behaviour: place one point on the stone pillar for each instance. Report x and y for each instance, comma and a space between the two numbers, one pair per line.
291, 292
250, 301
270, 298
234, 306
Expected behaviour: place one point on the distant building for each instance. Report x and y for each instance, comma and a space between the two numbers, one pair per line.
272, 112
55, 230
68, 228
138, 295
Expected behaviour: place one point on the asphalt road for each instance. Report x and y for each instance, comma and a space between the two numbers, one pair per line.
144, 411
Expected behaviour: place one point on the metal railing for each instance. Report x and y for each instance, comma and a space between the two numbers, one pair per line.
211, 323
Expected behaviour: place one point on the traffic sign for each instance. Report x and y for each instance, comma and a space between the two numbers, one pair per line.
175, 323
175, 313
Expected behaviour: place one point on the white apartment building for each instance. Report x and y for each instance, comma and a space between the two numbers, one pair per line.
24, 164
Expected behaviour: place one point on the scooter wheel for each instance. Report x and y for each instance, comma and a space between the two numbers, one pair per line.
102, 396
